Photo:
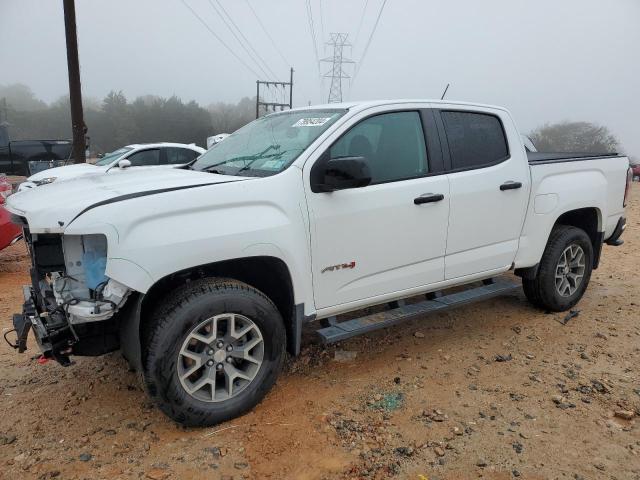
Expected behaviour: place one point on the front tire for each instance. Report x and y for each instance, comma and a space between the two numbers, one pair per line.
564, 271
213, 351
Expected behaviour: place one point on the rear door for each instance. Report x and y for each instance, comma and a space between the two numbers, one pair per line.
380, 239
5, 152
490, 182
5, 160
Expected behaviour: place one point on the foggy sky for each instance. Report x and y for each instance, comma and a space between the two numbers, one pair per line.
545, 60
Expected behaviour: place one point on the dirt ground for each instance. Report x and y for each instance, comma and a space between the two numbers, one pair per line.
495, 390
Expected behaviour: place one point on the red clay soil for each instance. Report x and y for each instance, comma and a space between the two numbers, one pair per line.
426, 400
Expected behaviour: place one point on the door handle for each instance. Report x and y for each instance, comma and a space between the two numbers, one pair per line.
428, 198
510, 185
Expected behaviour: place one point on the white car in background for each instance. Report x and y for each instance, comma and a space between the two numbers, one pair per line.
139, 155
211, 141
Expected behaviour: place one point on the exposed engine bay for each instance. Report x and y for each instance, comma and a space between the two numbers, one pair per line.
71, 304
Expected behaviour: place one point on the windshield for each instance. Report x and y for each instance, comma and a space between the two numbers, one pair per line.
267, 145
110, 157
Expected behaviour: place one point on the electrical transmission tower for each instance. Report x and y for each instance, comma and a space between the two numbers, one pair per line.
338, 41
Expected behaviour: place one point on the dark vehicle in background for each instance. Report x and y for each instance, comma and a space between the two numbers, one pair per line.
9, 232
16, 155
635, 171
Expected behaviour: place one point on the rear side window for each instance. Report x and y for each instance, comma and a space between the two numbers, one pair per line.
176, 155
475, 139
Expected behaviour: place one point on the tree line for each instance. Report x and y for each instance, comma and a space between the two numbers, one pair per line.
115, 121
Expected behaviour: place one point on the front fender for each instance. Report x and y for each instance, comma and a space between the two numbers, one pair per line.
159, 235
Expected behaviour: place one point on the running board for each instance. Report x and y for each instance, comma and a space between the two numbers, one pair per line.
350, 328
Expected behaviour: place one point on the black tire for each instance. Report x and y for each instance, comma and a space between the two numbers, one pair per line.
174, 320
529, 285
541, 291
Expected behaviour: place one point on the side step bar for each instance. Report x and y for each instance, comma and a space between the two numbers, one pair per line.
350, 328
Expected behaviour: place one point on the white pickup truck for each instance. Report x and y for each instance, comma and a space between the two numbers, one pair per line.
204, 276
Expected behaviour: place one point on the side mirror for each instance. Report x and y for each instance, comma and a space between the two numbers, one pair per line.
124, 163
342, 173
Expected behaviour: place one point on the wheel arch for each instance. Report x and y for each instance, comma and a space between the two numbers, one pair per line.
268, 274
588, 219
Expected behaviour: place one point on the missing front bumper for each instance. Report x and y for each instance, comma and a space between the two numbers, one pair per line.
53, 335
22, 322
21, 327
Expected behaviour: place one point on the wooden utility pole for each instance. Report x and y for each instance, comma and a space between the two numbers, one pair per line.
75, 92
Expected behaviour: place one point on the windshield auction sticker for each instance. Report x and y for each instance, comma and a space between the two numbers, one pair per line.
311, 122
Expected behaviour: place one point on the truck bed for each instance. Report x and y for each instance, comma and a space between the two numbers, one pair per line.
569, 181
556, 157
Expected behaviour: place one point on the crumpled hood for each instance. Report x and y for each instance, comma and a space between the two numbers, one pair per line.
68, 171
51, 207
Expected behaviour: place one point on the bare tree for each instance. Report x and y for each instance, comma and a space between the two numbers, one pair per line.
228, 117
574, 137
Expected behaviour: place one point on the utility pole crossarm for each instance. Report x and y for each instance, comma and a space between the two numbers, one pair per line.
274, 105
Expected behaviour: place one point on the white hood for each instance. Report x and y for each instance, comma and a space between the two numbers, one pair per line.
68, 171
50, 208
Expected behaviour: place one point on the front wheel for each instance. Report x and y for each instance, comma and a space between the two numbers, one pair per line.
564, 270
214, 349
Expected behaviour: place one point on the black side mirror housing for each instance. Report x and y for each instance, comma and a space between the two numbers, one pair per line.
340, 174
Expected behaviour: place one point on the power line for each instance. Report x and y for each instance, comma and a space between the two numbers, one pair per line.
364, 12
321, 23
245, 39
226, 23
313, 33
366, 48
267, 33
206, 25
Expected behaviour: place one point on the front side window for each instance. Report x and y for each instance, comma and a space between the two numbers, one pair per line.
392, 144
145, 158
267, 145
110, 157
475, 139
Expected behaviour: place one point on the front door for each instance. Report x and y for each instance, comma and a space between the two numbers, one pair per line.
382, 238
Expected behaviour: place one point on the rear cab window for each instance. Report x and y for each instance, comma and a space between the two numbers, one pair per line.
475, 139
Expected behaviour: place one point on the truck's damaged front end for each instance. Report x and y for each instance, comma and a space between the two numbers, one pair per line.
71, 305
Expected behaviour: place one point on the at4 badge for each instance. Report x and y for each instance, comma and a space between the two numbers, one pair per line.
340, 266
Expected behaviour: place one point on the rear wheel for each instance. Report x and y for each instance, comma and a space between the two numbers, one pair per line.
213, 351
529, 285
564, 271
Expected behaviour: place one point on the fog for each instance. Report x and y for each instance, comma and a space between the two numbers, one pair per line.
546, 60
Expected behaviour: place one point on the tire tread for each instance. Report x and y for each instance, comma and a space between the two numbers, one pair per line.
540, 290
162, 319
